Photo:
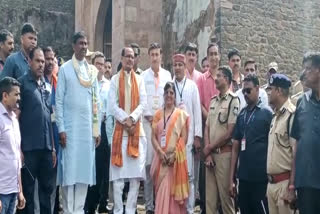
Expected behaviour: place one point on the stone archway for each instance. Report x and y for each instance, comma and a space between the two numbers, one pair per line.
91, 17
103, 30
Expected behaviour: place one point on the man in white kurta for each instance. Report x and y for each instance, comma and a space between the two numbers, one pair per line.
155, 79
191, 54
132, 169
77, 101
188, 99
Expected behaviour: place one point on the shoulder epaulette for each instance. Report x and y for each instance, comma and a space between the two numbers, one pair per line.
232, 94
215, 96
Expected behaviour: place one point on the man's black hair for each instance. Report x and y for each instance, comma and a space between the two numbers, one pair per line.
233, 52
6, 85
252, 78
4, 34
28, 28
78, 35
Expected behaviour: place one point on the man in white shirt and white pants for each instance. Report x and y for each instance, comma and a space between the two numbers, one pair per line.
188, 99
155, 78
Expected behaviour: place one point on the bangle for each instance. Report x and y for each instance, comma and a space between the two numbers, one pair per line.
53, 150
291, 187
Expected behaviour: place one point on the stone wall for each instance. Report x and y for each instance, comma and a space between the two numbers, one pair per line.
269, 30
186, 21
136, 21
53, 19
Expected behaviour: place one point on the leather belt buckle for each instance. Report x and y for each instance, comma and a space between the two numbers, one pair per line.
270, 179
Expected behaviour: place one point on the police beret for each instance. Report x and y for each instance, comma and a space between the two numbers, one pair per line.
279, 80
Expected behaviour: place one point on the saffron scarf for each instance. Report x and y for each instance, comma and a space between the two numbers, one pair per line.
133, 140
175, 143
88, 83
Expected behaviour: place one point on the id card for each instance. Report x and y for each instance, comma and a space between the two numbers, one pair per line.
163, 140
156, 103
243, 144
53, 115
182, 106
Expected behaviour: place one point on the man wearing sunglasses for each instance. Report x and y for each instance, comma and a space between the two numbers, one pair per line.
250, 144
222, 117
250, 67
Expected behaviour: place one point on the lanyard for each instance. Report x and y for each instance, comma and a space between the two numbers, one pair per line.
180, 93
156, 82
164, 118
246, 122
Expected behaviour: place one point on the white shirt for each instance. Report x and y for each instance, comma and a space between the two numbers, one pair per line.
191, 99
154, 95
120, 114
262, 96
104, 86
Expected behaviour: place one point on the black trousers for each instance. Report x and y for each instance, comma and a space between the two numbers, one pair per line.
252, 197
98, 194
308, 200
38, 165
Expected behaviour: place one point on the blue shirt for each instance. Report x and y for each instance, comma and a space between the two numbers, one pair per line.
16, 65
35, 117
253, 126
306, 130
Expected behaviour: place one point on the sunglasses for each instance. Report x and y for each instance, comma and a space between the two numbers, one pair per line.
246, 90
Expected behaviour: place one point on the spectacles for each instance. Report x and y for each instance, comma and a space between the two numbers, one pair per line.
246, 90
129, 57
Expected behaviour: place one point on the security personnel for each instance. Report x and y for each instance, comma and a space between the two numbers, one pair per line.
249, 151
221, 119
280, 148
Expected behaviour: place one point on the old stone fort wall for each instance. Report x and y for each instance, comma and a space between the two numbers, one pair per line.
265, 30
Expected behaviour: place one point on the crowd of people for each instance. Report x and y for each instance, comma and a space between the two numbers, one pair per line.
81, 137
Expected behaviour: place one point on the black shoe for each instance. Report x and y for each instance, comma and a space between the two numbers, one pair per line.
149, 212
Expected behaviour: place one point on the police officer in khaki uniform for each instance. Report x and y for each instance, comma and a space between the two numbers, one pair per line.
280, 148
221, 119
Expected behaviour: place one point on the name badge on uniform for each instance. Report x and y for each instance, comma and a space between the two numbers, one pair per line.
163, 140
156, 102
243, 144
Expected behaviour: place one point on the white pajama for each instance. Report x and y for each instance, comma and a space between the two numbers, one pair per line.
73, 198
131, 204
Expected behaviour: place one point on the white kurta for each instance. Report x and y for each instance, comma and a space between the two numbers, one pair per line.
104, 86
132, 167
191, 100
154, 102
262, 96
74, 117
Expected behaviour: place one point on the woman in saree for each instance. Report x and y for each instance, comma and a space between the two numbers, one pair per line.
169, 166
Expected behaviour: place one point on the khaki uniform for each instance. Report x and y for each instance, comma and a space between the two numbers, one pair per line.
223, 111
295, 98
280, 157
